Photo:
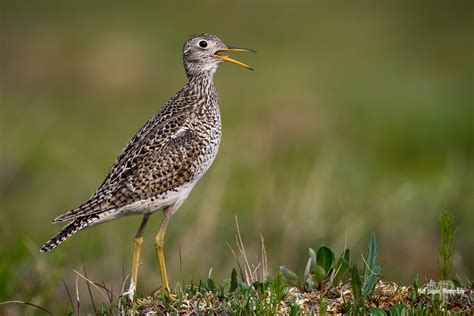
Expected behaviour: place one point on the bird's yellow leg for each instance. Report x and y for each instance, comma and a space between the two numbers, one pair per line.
159, 243
137, 247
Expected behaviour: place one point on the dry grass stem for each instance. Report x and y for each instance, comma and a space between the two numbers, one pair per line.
107, 298
26, 303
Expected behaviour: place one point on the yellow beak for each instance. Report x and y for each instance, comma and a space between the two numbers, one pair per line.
234, 49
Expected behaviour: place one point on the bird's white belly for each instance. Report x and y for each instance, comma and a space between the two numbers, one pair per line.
148, 205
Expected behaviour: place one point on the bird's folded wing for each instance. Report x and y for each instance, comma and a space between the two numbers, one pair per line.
158, 162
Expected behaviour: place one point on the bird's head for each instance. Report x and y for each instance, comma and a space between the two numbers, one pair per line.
202, 53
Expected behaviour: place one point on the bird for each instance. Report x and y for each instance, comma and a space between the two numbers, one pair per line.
163, 161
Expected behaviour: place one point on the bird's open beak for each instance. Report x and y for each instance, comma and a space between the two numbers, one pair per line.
233, 49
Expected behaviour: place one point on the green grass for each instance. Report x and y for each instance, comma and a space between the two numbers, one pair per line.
274, 296
327, 287
446, 252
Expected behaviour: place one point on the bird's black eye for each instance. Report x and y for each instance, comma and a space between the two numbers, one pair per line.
203, 44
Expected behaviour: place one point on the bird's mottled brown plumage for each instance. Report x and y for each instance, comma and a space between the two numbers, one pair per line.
169, 151
167, 156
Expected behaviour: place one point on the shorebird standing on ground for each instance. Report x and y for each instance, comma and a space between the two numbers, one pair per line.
160, 165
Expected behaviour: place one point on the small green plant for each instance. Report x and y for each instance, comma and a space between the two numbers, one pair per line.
356, 284
446, 242
361, 288
374, 311
238, 297
323, 306
413, 290
324, 275
322, 269
270, 293
371, 268
294, 309
397, 310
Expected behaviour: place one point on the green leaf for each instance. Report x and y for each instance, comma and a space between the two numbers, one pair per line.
373, 278
371, 258
342, 265
308, 269
318, 274
356, 285
312, 256
210, 285
346, 255
233, 281
377, 312
290, 276
371, 270
325, 258
309, 283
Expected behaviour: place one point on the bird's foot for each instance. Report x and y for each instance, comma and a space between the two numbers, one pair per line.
131, 291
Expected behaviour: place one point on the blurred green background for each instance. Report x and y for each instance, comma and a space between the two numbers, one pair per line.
358, 118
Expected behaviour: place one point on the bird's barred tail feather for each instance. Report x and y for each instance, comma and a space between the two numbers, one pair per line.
67, 231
